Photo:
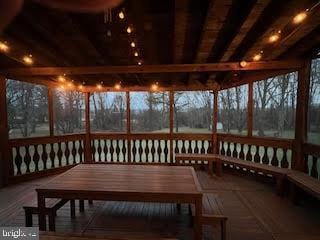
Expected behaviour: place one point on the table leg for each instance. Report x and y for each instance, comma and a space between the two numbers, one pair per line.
42, 216
197, 220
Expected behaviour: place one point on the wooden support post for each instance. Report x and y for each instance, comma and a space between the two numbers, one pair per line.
215, 144
50, 109
215, 140
6, 166
87, 145
301, 116
250, 109
171, 105
128, 126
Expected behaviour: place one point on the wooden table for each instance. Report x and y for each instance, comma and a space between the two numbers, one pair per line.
211, 158
169, 184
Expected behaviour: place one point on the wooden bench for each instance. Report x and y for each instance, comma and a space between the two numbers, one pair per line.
304, 182
52, 206
212, 213
211, 158
278, 173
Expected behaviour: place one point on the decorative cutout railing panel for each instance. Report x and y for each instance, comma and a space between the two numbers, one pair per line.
112, 149
259, 150
38, 154
312, 160
193, 144
150, 151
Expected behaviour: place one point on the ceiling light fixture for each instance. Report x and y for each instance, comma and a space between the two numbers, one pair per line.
28, 59
4, 47
274, 37
243, 64
257, 57
129, 30
121, 15
117, 86
300, 17
133, 44
155, 86
99, 86
136, 54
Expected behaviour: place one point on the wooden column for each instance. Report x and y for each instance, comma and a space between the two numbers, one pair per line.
215, 140
50, 109
6, 167
250, 108
301, 116
128, 126
171, 106
87, 144
215, 143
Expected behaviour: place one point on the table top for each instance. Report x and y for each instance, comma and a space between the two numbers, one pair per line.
118, 178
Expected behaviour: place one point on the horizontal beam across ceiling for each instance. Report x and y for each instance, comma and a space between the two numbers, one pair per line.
173, 68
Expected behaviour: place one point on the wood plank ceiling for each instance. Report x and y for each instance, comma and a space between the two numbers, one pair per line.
165, 32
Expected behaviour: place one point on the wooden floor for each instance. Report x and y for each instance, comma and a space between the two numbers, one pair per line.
253, 209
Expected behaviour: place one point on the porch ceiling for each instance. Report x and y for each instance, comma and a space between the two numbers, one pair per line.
165, 32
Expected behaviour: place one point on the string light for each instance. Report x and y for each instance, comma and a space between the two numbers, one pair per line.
99, 86
28, 59
274, 37
70, 85
133, 44
136, 54
243, 64
155, 86
300, 17
62, 78
140, 63
129, 30
4, 47
121, 15
117, 86
257, 57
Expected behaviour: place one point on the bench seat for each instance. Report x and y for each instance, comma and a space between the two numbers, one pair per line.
305, 182
212, 212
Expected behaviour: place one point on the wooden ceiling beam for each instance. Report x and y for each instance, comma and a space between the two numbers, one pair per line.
304, 29
278, 24
247, 25
215, 19
180, 28
173, 68
247, 77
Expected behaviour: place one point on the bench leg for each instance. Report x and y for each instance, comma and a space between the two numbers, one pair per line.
72, 208
293, 193
28, 219
219, 168
280, 184
52, 221
81, 205
210, 168
223, 230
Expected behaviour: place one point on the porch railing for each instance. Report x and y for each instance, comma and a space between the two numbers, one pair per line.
36, 155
